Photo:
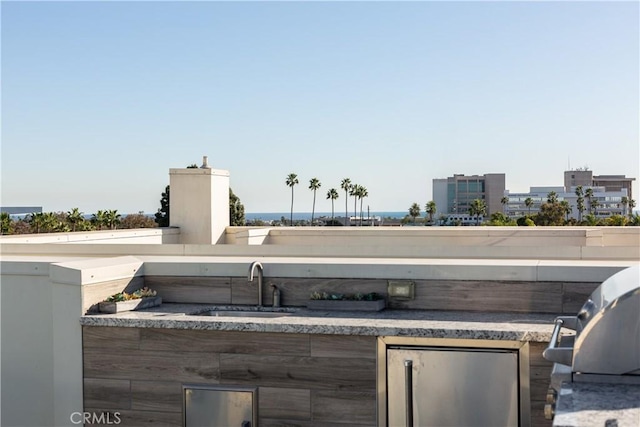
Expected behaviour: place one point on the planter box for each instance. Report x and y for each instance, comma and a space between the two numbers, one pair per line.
134, 304
346, 305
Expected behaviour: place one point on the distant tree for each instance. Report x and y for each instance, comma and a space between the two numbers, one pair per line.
634, 219
112, 219
616, 220
552, 197
624, 201
595, 204
139, 220
98, 219
362, 193
504, 202
632, 204
500, 219
291, 181
566, 207
579, 201
36, 221
314, 184
236, 210
346, 186
588, 194
162, 216
353, 191
550, 214
528, 202
6, 223
478, 208
414, 211
192, 166
430, 209
74, 217
333, 195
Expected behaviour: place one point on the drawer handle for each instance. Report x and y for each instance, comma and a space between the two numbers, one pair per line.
408, 391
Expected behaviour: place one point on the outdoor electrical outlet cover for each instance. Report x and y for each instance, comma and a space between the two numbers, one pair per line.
401, 289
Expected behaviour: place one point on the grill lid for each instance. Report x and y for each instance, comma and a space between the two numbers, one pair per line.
607, 329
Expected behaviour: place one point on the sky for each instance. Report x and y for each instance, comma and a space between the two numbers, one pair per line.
101, 99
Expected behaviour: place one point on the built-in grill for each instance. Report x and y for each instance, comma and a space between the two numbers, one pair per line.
606, 344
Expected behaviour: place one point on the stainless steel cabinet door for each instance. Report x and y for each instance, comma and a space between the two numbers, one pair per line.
219, 406
452, 387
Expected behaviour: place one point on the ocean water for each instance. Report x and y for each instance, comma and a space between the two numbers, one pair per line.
272, 216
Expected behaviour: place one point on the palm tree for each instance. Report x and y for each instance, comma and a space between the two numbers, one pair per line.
478, 207
579, 201
595, 204
528, 202
98, 219
6, 223
333, 195
632, 204
566, 207
552, 197
504, 202
292, 179
112, 218
362, 193
36, 220
74, 217
346, 185
314, 184
589, 194
353, 191
414, 211
624, 202
430, 209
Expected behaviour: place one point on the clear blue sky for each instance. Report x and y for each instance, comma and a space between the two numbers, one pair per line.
99, 100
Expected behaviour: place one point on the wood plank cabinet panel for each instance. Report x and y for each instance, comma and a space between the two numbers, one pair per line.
151, 365
224, 341
107, 393
361, 347
279, 402
299, 372
156, 396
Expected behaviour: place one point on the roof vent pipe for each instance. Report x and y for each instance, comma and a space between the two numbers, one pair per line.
205, 163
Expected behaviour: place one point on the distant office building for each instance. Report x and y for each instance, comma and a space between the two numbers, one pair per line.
454, 195
21, 210
610, 183
603, 203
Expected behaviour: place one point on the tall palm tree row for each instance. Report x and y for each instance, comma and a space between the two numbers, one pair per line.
588, 194
314, 184
504, 202
292, 180
333, 195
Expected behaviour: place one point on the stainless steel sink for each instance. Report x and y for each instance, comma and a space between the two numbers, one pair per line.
239, 313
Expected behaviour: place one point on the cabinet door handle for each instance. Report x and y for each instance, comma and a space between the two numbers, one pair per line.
408, 391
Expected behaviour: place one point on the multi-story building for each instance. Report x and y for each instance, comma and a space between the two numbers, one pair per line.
610, 183
454, 195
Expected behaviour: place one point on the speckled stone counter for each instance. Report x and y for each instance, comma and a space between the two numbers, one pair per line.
432, 324
594, 404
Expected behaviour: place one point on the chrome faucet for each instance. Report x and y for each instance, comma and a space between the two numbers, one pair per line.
252, 267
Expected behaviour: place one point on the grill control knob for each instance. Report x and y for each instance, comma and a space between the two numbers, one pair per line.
549, 411
552, 394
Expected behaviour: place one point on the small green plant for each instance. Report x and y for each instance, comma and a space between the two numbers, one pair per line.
372, 296
140, 293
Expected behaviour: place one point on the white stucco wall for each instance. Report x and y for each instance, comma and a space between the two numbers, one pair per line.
199, 204
27, 352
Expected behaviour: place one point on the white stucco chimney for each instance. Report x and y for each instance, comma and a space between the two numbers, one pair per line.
199, 203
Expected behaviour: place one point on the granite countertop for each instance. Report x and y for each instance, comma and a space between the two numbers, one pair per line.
415, 323
594, 404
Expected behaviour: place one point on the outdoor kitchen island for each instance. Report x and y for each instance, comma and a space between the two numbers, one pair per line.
311, 367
